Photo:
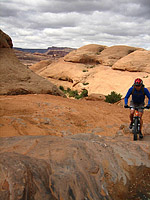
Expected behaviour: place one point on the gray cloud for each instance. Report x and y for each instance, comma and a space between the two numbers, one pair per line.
43, 23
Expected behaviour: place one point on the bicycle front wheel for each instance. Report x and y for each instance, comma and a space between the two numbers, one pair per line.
135, 129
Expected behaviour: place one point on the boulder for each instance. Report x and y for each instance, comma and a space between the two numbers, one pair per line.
96, 97
138, 61
86, 54
112, 54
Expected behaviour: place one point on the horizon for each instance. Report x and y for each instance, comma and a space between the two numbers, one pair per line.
76, 23
43, 48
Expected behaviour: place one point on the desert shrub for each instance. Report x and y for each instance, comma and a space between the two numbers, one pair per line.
84, 70
74, 93
113, 97
85, 83
61, 88
68, 90
84, 93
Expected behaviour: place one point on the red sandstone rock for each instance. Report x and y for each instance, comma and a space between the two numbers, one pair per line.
15, 78
138, 61
83, 166
5, 40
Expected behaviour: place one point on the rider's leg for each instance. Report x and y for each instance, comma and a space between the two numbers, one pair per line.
131, 117
131, 114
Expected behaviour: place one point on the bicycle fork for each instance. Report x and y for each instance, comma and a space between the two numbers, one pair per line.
136, 122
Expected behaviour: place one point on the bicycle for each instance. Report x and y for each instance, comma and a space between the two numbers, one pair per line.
136, 127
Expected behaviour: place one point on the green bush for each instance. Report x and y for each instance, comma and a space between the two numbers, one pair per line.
68, 90
113, 97
61, 88
74, 93
84, 93
85, 70
85, 83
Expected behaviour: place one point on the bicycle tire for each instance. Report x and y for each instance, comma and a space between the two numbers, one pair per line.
135, 129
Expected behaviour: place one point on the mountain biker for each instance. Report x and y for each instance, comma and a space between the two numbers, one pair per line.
138, 92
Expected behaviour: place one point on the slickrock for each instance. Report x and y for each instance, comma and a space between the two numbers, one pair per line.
138, 61
111, 55
54, 148
83, 166
86, 54
92, 67
40, 66
5, 40
16, 78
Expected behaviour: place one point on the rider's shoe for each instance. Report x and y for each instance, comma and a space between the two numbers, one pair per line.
140, 135
131, 125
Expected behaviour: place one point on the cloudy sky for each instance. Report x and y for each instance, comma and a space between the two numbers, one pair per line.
75, 23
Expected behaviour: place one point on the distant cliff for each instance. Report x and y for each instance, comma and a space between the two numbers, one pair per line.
53, 49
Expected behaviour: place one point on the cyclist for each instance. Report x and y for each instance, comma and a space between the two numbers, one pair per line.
138, 92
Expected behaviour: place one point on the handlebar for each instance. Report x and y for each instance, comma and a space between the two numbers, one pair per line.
136, 108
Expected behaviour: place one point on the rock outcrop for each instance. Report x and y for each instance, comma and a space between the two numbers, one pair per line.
92, 67
138, 61
83, 166
99, 54
95, 78
5, 40
40, 66
15, 78
86, 54
111, 55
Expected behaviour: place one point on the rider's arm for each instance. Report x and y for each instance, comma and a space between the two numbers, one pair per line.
128, 95
147, 94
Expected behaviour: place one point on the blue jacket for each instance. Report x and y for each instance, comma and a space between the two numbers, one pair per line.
138, 96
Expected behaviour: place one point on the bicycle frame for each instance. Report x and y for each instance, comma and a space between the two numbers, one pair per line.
136, 124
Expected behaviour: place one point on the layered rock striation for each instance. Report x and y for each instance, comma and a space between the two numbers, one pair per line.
83, 166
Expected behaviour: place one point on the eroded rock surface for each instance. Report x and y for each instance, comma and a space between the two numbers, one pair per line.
5, 40
23, 177
112, 54
16, 78
52, 115
92, 67
86, 54
137, 61
83, 166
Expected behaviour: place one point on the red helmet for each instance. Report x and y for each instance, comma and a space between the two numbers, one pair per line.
138, 82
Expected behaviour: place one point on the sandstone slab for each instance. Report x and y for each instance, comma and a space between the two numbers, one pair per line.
86, 54
83, 166
138, 61
112, 54
16, 78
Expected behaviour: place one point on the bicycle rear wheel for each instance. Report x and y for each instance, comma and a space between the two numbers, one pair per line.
135, 129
